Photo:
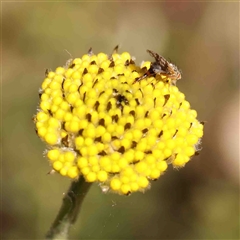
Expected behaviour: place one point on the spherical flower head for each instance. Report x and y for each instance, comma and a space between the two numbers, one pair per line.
100, 124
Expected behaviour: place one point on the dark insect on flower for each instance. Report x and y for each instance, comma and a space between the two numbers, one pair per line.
161, 67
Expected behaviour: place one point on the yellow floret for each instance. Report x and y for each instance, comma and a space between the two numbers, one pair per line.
42, 117
155, 173
73, 126
45, 106
91, 177
102, 57
54, 85
162, 166
51, 138
143, 182
63, 171
179, 161
57, 165
73, 172
85, 171
95, 168
141, 167
42, 131
53, 123
59, 114
46, 83
53, 154
69, 156
134, 186
102, 176
82, 162
115, 184
125, 188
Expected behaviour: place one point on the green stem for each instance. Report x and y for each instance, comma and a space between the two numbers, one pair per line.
69, 210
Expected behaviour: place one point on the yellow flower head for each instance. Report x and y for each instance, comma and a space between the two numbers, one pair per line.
98, 122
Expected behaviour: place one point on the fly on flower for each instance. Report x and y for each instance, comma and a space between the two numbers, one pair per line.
161, 67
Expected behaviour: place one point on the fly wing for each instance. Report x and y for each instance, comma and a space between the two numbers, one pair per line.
164, 64
159, 60
154, 55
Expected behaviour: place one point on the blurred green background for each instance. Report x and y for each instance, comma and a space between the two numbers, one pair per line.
200, 201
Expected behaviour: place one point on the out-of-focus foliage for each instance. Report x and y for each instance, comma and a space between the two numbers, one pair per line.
199, 202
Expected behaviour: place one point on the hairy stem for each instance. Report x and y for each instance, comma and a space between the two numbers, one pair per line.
69, 210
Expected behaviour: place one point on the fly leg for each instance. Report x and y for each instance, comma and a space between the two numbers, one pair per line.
149, 73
